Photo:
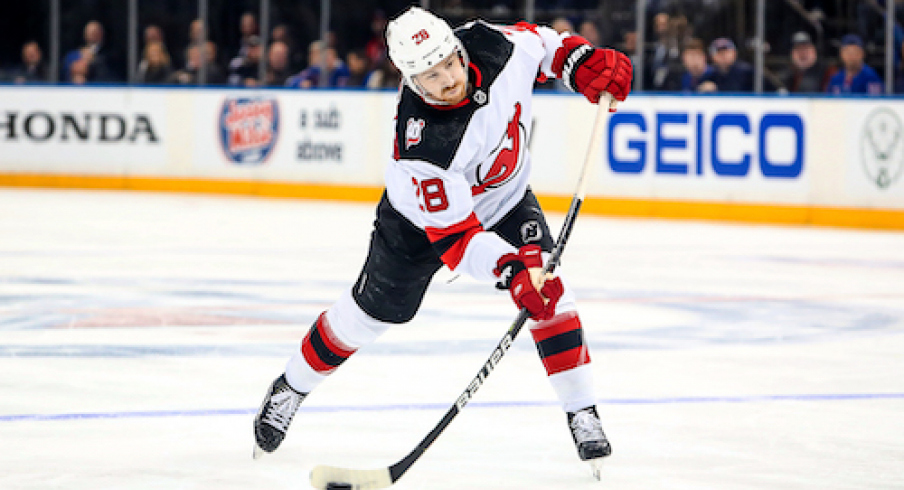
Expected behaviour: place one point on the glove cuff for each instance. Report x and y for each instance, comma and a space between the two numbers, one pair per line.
508, 271
575, 50
509, 265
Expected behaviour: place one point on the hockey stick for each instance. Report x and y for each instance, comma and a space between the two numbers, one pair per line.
333, 478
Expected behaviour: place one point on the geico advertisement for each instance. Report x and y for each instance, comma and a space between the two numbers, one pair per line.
84, 129
315, 136
735, 149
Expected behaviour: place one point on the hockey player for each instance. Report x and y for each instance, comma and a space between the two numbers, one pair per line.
457, 194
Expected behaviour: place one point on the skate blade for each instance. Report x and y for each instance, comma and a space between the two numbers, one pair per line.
596, 468
258, 452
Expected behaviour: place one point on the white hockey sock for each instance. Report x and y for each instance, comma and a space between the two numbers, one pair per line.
574, 387
300, 375
333, 338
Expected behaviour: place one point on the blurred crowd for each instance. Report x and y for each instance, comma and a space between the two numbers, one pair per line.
677, 58
319, 65
683, 51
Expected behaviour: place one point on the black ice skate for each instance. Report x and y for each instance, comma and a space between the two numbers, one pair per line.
275, 415
589, 439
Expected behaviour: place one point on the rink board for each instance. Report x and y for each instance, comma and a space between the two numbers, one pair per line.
762, 159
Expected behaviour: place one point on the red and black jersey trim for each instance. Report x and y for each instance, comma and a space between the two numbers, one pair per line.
560, 343
322, 350
450, 243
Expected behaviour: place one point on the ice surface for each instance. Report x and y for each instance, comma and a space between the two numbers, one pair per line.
139, 332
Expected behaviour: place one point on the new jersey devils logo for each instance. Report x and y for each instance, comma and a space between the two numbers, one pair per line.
508, 154
413, 132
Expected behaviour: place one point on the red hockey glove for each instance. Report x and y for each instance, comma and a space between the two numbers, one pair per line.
592, 71
520, 274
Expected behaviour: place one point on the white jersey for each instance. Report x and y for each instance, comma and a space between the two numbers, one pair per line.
457, 170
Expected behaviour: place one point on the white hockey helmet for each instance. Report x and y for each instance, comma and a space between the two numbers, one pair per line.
418, 40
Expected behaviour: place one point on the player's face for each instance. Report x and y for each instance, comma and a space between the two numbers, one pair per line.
446, 82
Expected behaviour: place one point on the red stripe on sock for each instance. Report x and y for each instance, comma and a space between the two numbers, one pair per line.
329, 338
331, 342
564, 361
313, 360
559, 324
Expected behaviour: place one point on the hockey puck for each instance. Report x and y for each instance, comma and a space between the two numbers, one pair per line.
338, 486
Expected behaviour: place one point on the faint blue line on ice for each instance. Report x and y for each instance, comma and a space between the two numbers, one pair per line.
818, 397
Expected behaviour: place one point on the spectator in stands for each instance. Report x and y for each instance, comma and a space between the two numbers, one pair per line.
99, 67
729, 73
337, 69
32, 68
696, 69
855, 76
281, 33
93, 53
196, 36
277, 64
589, 31
153, 34
562, 24
385, 75
629, 42
79, 68
216, 75
665, 65
806, 74
196, 32
310, 76
243, 69
332, 39
629, 47
155, 67
189, 75
358, 68
248, 30
661, 46
376, 45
